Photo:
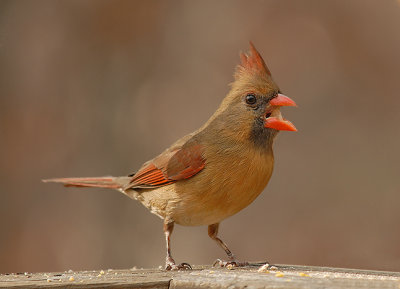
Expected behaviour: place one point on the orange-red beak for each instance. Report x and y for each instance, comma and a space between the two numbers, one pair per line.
280, 123
282, 100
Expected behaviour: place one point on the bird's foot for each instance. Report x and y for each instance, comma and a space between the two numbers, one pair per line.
266, 267
174, 267
229, 264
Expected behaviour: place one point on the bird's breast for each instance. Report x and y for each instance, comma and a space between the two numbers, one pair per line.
226, 185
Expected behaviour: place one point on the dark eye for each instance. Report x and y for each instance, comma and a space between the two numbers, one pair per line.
251, 99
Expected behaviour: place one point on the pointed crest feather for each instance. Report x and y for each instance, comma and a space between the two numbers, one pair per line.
252, 63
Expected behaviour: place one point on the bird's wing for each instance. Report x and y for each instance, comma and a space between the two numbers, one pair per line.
175, 164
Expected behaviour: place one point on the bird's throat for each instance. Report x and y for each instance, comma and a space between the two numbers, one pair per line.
262, 137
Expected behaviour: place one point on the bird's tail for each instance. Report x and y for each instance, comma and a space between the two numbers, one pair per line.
97, 182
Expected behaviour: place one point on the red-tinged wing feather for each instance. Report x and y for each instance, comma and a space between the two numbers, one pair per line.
149, 177
185, 163
170, 167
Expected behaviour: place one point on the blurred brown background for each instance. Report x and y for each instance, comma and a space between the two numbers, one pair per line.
92, 88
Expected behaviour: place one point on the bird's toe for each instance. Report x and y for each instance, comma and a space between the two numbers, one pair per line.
181, 267
229, 264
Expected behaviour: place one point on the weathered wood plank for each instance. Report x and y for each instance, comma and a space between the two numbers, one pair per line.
89, 279
207, 277
287, 277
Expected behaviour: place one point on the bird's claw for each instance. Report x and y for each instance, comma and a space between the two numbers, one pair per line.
267, 266
174, 267
229, 264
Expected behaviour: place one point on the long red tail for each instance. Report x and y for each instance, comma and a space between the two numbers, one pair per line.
98, 182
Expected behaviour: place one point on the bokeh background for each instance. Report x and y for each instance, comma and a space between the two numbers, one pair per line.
93, 88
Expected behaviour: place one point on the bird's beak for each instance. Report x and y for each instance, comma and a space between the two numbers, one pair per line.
282, 100
278, 122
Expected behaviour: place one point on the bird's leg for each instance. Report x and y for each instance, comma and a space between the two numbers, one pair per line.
213, 232
169, 261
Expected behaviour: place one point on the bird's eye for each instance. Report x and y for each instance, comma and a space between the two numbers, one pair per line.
251, 99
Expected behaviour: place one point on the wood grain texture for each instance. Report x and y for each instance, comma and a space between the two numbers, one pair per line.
207, 277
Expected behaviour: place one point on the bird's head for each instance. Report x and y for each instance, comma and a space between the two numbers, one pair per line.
252, 107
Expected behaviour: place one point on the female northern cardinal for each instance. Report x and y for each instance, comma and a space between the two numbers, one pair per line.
216, 171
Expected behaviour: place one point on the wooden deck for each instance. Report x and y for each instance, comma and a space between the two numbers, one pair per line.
285, 276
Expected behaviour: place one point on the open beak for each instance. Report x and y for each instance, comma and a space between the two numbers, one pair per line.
277, 122
282, 100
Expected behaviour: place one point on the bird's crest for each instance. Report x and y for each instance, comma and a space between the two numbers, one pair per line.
251, 63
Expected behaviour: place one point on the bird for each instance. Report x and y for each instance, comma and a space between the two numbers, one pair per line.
217, 170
